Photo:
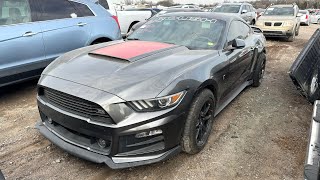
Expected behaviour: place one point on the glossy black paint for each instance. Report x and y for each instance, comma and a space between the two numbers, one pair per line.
111, 82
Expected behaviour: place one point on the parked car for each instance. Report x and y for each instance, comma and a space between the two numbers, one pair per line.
315, 18
34, 33
126, 19
243, 10
305, 70
157, 99
260, 12
304, 17
280, 21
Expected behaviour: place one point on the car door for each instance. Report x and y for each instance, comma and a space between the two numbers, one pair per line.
21, 44
240, 60
63, 27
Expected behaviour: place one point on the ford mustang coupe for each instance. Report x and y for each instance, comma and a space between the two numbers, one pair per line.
144, 99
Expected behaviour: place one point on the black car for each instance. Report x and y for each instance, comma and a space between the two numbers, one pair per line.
144, 99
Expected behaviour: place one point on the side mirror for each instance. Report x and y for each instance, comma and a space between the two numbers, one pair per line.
244, 11
238, 44
299, 15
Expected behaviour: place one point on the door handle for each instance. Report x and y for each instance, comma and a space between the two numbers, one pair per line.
81, 24
29, 33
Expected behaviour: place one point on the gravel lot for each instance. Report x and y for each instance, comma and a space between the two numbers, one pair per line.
262, 134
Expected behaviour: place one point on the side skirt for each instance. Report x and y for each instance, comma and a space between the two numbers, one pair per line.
232, 95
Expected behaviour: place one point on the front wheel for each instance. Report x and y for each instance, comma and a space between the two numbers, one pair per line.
198, 125
259, 70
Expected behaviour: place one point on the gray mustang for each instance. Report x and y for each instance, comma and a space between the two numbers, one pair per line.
144, 99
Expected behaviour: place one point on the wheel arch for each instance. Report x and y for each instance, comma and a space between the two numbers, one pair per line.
100, 40
210, 84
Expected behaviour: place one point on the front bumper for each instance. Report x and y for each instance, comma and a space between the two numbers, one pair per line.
277, 31
123, 147
112, 162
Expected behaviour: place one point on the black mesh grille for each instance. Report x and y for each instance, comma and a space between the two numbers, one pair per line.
277, 24
268, 23
75, 105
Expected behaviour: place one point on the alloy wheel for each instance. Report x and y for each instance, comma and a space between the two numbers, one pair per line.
203, 123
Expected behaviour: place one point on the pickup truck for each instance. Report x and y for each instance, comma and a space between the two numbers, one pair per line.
126, 19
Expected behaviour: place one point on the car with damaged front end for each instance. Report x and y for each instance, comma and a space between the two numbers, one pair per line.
144, 99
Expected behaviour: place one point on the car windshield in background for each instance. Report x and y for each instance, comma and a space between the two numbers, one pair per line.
279, 11
303, 12
192, 32
227, 9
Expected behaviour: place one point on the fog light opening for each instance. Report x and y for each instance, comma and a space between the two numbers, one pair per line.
102, 143
149, 133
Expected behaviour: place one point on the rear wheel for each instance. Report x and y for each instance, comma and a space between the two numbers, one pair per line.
259, 70
199, 122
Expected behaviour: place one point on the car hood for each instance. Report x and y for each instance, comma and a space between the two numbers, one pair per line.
276, 18
131, 70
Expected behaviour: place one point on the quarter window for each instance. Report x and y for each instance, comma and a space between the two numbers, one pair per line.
82, 9
104, 4
14, 12
57, 9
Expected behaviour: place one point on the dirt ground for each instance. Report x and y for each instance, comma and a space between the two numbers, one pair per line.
262, 134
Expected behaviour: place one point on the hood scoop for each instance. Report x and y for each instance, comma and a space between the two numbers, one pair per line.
132, 50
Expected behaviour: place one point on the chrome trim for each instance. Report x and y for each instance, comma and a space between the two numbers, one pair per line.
119, 160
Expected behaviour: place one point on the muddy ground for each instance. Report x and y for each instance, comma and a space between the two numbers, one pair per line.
262, 134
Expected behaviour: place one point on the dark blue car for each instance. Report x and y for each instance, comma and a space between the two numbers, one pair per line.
35, 32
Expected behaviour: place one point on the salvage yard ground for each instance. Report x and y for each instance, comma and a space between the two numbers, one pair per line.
262, 134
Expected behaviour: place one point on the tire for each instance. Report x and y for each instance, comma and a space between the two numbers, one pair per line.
198, 125
297, 31
259, 70
253, 22
291, 38
314, 89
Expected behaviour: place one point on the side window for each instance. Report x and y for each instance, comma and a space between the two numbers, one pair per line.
14, 12
238, 29
248, 8
58, 9
104, 4
82, 9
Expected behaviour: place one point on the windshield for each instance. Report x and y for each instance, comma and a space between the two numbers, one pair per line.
227, 8
279, 11
303, 12
192, 32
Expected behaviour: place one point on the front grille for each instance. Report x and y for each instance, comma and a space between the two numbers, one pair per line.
278, 24
273, 32
75, 105
267, 23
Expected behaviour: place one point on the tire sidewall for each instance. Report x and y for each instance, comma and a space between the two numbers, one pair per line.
257, 70
314, 94
189, 142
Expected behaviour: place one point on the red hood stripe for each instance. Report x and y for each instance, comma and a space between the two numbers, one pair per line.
131, 49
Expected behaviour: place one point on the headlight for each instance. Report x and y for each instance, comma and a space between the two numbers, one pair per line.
157, 103
288, 23
259, 23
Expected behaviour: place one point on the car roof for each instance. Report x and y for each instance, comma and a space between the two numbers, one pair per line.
234, 4
283, 5
221, 16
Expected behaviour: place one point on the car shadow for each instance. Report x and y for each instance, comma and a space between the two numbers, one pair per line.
18, 88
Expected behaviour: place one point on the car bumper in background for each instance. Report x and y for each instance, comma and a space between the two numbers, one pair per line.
311, 168
277, 32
